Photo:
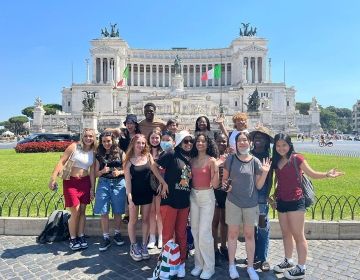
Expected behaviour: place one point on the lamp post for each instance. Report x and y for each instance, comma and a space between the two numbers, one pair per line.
221, 106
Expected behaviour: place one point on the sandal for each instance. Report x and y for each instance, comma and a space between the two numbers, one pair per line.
265, 266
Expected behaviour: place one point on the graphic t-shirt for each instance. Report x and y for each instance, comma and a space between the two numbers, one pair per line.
177, 176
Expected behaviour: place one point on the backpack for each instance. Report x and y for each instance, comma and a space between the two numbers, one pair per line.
56, 228
168, 262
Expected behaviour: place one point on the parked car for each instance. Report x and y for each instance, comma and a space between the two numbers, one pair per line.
49, 137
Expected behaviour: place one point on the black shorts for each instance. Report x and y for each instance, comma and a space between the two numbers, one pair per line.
220, 198
289, 206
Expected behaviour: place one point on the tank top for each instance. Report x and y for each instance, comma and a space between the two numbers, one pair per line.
140, 184
201, 177
83, 159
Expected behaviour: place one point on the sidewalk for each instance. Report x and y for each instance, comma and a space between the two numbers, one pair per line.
22, 258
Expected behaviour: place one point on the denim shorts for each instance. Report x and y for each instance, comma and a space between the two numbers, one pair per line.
289, 206
110, 192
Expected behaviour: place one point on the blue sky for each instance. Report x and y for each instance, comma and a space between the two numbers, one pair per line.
40, 40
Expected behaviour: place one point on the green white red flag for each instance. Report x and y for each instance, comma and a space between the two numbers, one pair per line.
125, 76
214, 73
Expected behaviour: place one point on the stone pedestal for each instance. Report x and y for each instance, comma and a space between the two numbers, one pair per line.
89, 120
177, 85
37, 123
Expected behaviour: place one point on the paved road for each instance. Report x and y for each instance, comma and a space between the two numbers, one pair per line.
22, 258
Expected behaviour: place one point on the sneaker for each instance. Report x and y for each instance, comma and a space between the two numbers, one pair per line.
233, 272
252, 273
295, 273
118, 239
283, 266
206, 274
152, 241
74, 244
217, 258
224, 252
181, 271
104, 244
125, 219
144, 252
135, 252
83, 242
160, 243
196, 271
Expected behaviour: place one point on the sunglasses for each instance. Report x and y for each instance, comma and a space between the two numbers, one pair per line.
188, 141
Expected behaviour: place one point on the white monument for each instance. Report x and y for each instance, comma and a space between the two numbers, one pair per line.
171, 79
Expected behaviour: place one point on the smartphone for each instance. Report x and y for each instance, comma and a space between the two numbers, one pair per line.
228, 183
56, 187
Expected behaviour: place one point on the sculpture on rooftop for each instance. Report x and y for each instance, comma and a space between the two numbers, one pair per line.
89, 101
246, 32
177, 64
113, 33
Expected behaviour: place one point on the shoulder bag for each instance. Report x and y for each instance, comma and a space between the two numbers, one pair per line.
66, 170
306, 185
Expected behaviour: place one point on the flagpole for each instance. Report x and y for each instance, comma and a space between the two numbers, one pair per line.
128, 106
221, 107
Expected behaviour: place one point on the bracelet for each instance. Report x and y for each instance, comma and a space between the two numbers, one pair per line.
327, 175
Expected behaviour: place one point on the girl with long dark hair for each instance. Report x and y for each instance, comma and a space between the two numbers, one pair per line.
110, 191
290, 202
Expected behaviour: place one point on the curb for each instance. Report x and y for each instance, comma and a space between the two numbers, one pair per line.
341, 230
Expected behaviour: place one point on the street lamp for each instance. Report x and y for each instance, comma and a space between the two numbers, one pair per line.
128, 105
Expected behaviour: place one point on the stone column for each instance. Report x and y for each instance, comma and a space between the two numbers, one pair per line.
263, 69
213, 80
200, 72
256, 70
163, 75
169, 75
249, 74
157, 75
151, 75
188, 76
132, 74
108, 70
94, 70
225, 65
194, 76
138, 74
101, 70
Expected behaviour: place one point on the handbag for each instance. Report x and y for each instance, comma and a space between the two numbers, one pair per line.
66, 170
306, 185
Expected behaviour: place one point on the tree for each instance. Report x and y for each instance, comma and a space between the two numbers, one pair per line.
336, 119
303, 107
28, 111
16, 124
254, 102
50, 109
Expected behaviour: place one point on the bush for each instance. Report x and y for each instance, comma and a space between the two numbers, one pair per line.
42, 147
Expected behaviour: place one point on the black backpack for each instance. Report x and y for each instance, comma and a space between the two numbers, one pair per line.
56, 228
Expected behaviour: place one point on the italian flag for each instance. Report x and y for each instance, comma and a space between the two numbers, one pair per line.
214, 73
125, 76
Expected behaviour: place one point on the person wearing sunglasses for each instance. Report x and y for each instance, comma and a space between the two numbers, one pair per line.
175, 201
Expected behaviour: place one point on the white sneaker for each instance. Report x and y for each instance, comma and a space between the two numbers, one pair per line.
196, 271
206, 274
181, 271
160, 242
152, 240
252, 273
233, 272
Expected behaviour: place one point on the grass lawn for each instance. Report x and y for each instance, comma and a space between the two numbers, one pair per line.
31, 172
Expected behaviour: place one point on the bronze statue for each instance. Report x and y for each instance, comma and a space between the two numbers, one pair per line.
89, 101
245, 31
177, 64
113, 33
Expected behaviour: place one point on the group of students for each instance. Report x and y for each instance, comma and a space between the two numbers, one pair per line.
223, 179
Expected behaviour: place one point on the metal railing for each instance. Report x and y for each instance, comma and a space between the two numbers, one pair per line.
29, 204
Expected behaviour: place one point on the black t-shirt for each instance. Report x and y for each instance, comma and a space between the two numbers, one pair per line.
177, 176
112, 163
